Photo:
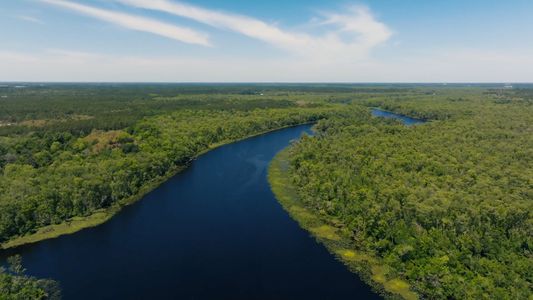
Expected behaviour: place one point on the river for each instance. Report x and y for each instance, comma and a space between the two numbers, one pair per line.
405, 119
214, 231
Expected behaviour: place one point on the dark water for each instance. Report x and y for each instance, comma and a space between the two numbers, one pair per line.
214, 231
405, 119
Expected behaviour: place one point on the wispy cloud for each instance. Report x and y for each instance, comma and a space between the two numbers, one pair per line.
182, 34
359, 20
29, 19
351, 34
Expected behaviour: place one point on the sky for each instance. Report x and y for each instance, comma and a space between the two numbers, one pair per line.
266, 41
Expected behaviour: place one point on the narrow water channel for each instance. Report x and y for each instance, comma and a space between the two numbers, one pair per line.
214, 231
405, 119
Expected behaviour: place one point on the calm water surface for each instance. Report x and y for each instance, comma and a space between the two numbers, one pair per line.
405, 119
215, 231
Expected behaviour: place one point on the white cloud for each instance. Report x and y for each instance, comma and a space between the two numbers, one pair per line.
182, 34
360, 20
358, 24
29, 19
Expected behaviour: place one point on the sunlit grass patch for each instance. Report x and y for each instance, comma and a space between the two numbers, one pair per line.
326, 232
353, 256
379, 273
100, 140
400, 287
302, 213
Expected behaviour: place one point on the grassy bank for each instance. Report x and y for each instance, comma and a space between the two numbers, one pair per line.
101, 216
79, 223
329, 233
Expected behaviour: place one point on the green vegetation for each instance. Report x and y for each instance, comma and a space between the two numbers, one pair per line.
333, 236
442, 209
127, 176
59, 176
14, 285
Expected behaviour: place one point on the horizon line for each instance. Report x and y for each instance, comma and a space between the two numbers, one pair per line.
266, 82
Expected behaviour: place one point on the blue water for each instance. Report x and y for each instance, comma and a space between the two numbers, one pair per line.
405, 119
214, 231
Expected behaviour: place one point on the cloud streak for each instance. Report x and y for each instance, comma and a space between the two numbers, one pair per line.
181, 34
351, 35
29, 19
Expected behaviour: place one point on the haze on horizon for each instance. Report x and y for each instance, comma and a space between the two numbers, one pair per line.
269, 41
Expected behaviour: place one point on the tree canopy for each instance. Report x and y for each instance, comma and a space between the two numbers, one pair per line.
446, 205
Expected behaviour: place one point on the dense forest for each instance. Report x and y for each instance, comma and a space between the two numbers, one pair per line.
445, 205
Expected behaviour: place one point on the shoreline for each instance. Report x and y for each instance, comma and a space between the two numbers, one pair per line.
333, 236
101, 216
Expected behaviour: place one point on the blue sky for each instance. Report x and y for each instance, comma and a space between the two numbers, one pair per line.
266, 41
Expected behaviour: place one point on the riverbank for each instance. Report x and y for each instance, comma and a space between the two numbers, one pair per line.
330, 232
103, 215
